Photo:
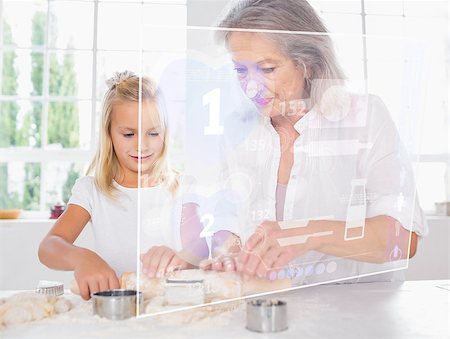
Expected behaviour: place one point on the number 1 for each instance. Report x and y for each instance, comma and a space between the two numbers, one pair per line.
212, 99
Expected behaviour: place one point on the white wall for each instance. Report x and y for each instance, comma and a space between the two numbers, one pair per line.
20, 268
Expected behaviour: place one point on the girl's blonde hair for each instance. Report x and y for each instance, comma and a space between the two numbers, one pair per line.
126, 86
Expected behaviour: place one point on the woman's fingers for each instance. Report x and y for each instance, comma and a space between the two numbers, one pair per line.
269, 258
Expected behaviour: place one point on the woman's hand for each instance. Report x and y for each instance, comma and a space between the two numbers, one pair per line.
93, 274
160, 260
263, 253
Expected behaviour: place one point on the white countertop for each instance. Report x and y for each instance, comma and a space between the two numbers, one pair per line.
414, 309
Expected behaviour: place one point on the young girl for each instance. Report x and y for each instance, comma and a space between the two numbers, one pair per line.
110, 199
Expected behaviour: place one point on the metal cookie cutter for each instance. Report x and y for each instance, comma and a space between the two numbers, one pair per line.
266, 315
116, 304
52, 288
184, 292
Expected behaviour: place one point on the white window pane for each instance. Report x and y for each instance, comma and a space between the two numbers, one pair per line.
59, 179
343, 23
20, 122
392, 7
66, 28
432, 184
427, 8
70, 74
171, 37
385, 25
20, 185
336, 6
69, 124
119, 26
164, 14
19, 16
164, 38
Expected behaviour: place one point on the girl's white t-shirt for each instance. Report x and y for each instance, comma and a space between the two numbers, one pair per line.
114, 222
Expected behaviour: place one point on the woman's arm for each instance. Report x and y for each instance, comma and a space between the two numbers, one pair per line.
57, 251
272, 247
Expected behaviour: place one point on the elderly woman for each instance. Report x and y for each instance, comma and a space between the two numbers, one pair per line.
332, 193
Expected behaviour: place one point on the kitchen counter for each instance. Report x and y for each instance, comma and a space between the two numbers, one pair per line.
413, 309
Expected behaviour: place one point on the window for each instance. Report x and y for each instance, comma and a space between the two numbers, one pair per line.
54, 66
407, 41
55, 56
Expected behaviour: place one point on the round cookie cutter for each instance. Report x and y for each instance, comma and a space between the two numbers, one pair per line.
52, 288
116, 304
266, 315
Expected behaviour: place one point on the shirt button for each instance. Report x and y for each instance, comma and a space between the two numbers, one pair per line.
293, 176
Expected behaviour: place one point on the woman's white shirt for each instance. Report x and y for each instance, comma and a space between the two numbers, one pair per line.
359, 149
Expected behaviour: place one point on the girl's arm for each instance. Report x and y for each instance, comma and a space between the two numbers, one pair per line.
57, 251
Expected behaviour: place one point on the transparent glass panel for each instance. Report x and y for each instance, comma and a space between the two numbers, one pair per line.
20, 122
59, 180
20, 185
26, 21
66, 28
69, 124
70, 74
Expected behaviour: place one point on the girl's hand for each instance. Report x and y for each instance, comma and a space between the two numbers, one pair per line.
221, 263
225, 248
93, 274
160, 260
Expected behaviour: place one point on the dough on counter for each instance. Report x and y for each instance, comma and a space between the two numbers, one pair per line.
28, 306
218, 286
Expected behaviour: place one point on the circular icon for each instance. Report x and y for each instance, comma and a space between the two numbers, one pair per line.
331, 267
320, 268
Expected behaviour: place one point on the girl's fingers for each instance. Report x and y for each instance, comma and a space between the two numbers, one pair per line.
84, 289
206, 264
94, 287
113, 282
154, 262
228, 264
164, 261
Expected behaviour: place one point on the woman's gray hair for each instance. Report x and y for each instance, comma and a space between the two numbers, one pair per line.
315, 52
